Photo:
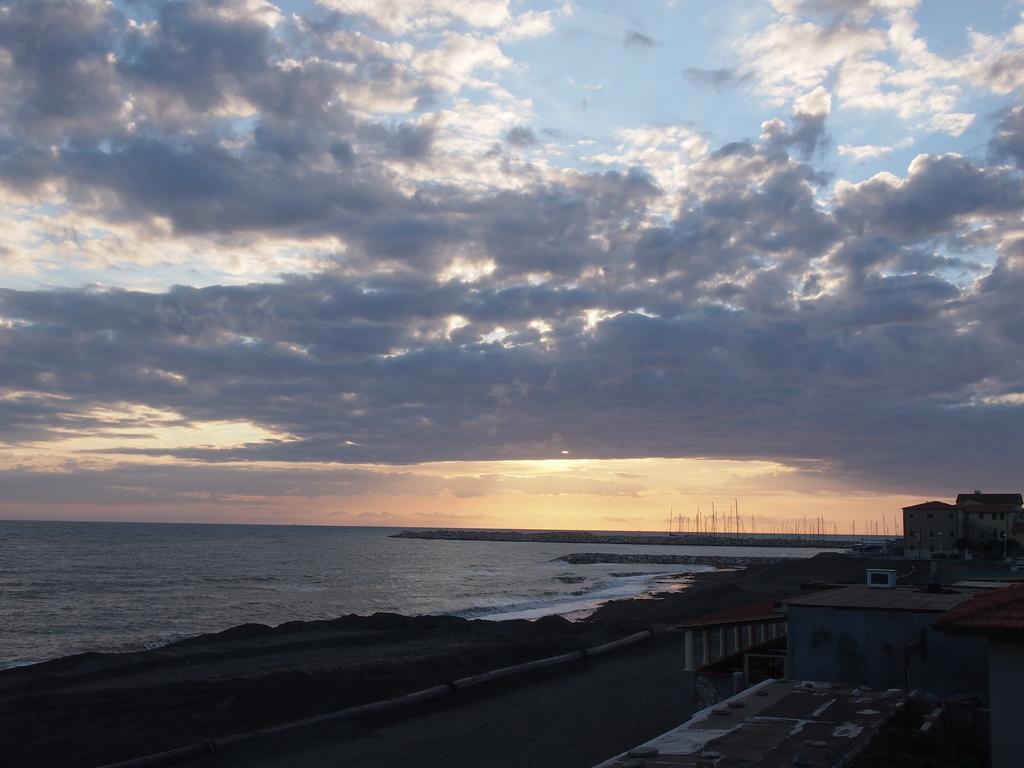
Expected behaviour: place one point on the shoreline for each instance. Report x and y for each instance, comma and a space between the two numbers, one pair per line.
108, 707
571, 606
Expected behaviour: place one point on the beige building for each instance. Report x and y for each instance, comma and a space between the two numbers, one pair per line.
989, 515
978, 518
930, 527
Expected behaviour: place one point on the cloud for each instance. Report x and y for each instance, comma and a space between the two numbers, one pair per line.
756, 323
634, 39
863, 152
520, 136
414, 273
530, 24
1008, 142
400, 16
938, 194
57, 72
720, 78
790, 57
873, 52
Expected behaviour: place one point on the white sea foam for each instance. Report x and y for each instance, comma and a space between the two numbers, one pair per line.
584, 605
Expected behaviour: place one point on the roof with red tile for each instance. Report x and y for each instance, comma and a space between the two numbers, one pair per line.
993, 612
764, 609
932, 505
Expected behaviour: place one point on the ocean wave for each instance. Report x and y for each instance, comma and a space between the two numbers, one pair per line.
580, 603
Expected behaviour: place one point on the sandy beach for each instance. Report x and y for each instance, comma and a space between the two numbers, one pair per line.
93, 709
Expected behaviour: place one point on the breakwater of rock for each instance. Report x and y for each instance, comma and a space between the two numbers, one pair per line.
727, 561
586, 537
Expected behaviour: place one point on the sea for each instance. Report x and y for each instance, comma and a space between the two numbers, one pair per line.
71, 587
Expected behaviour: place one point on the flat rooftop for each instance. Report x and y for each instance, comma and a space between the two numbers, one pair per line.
864, 597
775, 724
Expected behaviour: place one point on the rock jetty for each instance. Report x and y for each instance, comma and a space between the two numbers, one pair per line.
586, 537
726, 561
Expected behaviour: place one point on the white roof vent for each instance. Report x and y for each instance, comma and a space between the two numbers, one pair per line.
882, 578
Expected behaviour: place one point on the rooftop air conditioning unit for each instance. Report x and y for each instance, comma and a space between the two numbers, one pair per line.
881, 578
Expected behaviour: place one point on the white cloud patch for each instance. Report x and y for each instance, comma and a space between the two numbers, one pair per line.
528, 25
864, 151
873, 51
455, 62
816, 103
401, 16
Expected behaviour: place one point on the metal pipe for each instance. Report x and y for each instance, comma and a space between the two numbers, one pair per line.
621, 643
212, 746
497, 674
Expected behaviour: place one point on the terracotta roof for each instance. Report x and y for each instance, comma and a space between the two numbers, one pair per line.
993, 612
932, 505
991, 498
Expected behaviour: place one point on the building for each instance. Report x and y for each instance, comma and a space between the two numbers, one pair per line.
882, 637
1017, 533
977, 521
997, 616
933, 526
989, 516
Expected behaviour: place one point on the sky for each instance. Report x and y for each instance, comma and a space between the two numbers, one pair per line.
500, 263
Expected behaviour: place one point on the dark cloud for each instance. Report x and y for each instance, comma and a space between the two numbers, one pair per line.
198, 55
520, 136
634, 39
938, 192
719, 79
806, 133
58, 75
1008, 143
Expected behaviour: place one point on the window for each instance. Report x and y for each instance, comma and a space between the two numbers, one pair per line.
950, 515
930, 515
952, 535
910, 515
1002, 515
931, 534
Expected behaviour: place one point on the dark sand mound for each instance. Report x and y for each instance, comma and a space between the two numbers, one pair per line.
106, 707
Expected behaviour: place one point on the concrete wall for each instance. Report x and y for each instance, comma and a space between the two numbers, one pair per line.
1006, 666
868, 648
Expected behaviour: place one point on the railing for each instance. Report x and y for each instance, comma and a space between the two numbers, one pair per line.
705, 644
763, 666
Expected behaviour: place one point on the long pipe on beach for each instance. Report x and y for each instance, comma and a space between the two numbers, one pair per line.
209, 747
